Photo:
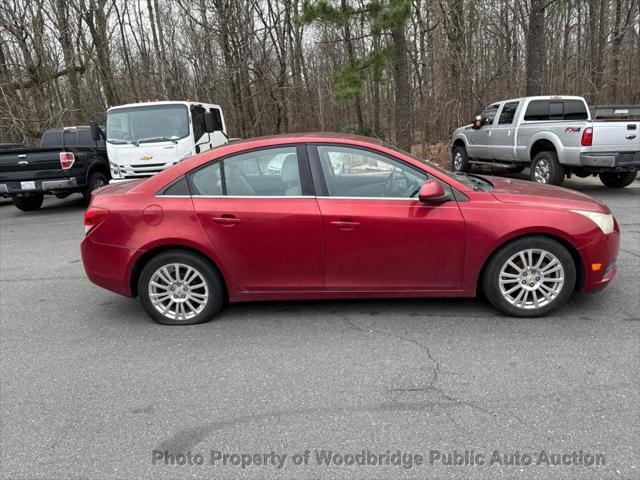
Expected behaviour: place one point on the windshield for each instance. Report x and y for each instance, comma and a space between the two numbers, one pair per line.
152, 123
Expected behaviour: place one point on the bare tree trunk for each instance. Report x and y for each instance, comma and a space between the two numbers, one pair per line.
535, 48
402, 89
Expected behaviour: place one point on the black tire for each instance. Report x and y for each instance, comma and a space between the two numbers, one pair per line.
491, 277
459, 160
28, 203
214, 288
546, 169
617, 179
96, 180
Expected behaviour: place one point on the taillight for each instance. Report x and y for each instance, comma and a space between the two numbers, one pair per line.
587, 137
66, 160
93, 217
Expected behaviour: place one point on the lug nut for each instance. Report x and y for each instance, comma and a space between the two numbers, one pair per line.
537, 279
524, 282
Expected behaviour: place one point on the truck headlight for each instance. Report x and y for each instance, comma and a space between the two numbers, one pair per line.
115, 170
603, 220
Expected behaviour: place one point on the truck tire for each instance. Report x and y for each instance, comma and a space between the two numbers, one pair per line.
617, 179
28, 204
546, 169
529, 277
96, 180
459, 160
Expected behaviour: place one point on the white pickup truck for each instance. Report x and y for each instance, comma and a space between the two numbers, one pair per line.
146, 138
555, 137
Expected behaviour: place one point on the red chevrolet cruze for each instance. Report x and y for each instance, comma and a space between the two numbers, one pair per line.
321, 216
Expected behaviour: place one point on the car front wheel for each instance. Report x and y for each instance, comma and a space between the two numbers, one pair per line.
530, 277
180, 288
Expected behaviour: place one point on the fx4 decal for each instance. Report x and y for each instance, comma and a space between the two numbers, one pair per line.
569, 130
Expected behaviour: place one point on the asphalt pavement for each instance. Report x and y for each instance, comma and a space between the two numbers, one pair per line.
91, 388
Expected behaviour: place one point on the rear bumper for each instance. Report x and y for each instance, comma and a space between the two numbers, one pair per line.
618, 161
603, 251
106, 265
12, 189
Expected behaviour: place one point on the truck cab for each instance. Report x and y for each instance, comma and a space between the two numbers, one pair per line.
146, 138
555, 136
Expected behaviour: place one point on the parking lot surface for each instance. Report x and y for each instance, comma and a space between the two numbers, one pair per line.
91, 387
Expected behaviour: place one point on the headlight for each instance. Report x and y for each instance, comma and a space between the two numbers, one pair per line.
602, 220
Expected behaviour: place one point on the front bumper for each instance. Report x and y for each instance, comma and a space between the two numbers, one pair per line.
619, 161
603, 251
14, 188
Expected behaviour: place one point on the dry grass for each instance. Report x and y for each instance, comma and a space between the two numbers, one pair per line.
438, 153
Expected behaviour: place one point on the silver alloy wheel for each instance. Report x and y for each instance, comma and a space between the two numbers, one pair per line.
542, 171
531, 279
178, 291
457, 161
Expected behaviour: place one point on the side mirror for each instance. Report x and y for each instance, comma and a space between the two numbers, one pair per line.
213, 121
432, 191
96, 132
477, 121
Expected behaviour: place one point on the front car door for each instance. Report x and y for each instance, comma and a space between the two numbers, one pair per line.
377, 234
261, 217
480, 138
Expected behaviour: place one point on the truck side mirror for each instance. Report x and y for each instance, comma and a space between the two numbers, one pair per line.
213, 121
96, 132
477, 122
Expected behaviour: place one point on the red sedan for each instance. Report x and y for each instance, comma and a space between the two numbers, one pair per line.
321, 216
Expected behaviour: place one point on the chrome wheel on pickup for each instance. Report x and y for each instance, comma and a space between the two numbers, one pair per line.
180, 288
529, 277
546, 169
460, 161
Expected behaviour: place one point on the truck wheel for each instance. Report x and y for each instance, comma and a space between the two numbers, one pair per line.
546, 169
459, 160
529, 277
96, 180
617, 179
28, 204
180, 288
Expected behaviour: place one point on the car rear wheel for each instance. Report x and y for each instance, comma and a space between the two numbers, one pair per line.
180, 288
546, 169
617, 179
459, 160
28, 203
96, 180
530, 277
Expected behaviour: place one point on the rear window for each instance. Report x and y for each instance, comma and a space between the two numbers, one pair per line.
541, 110
69, 137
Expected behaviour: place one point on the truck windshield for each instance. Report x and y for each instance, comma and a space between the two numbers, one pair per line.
147, 123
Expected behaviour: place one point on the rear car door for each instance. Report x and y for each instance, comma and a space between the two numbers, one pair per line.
263, 222
503, 138
377, 234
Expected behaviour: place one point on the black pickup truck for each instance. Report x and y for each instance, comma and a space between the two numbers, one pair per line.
68, 160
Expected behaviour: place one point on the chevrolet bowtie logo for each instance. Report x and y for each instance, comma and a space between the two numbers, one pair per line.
146, 157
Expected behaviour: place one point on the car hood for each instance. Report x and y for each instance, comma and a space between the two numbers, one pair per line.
510, 190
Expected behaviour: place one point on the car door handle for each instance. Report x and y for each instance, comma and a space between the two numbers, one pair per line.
631, 136
226, 220
345, 224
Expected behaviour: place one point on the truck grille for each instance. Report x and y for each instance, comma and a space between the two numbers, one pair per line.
142, 169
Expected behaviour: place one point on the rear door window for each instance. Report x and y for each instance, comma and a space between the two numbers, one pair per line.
508, 113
